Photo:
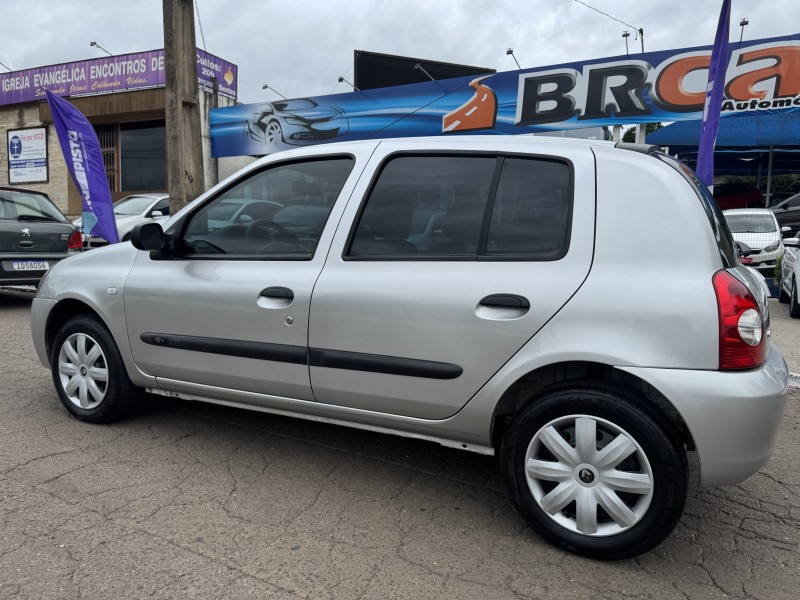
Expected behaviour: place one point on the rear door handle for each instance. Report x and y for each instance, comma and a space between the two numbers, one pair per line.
281, 293
505, 301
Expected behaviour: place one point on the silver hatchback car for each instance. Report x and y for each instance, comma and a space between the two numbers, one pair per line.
504, 295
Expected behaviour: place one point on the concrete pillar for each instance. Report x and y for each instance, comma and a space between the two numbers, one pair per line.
616, 133
185, 179
641, 133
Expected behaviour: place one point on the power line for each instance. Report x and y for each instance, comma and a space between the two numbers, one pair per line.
200, 23
607, 15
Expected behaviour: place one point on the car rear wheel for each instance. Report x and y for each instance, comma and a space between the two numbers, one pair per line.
273, 134
594, 471
89, 374
783, 297
794, 305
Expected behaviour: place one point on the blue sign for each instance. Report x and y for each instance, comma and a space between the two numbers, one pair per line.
762, 77
15, 147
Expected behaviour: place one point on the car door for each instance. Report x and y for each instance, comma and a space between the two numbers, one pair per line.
229, 311
413, 324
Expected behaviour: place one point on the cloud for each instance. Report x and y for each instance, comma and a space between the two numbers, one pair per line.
300, 48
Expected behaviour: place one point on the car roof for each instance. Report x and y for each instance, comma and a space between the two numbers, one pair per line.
5, 188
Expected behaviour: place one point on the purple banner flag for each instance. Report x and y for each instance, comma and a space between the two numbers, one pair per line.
84, 158
714, 91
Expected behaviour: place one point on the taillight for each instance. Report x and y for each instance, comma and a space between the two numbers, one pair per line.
75, 241
742, 343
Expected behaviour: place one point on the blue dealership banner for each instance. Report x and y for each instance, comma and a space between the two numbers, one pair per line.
761, 77
711, 110
84, 158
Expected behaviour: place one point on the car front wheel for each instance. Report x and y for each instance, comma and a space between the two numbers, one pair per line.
794, 305
89, 374
594, 471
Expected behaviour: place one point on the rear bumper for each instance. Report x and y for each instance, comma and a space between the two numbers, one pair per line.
11, 276
733, 417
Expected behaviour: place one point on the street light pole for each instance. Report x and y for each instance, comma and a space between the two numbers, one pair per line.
96, 45
341, 79
626, 34
641, 37
742, 24
511, 52
266, 87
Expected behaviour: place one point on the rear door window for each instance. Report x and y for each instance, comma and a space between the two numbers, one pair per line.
466, 207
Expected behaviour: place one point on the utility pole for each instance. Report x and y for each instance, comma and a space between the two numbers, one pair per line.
183, 141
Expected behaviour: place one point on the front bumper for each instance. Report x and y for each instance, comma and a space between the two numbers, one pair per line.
40, 312
733, 416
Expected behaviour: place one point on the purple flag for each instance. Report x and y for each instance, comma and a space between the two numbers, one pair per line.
84, 158
714, 90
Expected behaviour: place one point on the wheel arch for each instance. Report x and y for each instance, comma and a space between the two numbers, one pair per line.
535, 384
63, 312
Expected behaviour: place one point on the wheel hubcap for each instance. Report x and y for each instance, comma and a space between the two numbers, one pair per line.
589, 475
83, 371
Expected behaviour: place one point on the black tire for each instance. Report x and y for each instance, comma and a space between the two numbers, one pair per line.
794, 304
119, 395
659, 444
783, 297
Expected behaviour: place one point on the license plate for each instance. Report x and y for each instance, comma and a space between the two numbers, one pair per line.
30, 265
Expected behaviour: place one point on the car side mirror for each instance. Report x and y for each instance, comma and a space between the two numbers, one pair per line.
156, 213
741, 248
148, 236
792, 242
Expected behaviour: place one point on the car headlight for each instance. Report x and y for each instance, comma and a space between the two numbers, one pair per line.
294, 121
772, 247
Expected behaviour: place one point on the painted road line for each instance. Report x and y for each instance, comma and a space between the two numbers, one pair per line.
453, 125
471, 110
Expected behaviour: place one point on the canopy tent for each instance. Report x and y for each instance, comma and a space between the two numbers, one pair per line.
761, 132
746, 145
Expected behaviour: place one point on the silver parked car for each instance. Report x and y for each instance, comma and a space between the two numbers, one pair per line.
129, 212
502, 295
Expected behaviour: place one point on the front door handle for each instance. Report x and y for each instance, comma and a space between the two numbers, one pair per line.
281, 293
505, 301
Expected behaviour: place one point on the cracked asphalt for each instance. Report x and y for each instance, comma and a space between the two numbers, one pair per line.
198, 501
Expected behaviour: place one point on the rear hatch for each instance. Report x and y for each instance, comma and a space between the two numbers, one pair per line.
24, 236
31, 224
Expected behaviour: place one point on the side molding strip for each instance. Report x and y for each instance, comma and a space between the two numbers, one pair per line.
300, 355
296, 355
377, 363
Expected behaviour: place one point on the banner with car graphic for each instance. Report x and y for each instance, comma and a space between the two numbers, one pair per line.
762, 77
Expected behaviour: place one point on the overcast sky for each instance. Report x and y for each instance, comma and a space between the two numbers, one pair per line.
300, 47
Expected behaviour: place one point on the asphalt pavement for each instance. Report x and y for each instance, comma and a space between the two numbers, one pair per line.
187, 500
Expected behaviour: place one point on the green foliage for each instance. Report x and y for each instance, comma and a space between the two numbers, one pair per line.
630, 133
777, 272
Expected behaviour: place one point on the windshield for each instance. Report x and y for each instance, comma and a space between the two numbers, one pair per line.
294, 104
751, 223
133, 205
26, 205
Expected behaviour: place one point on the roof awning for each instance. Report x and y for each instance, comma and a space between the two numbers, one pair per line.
779, 129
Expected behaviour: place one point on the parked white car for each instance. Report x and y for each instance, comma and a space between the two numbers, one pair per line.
759, 229
787, 292
129, 212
